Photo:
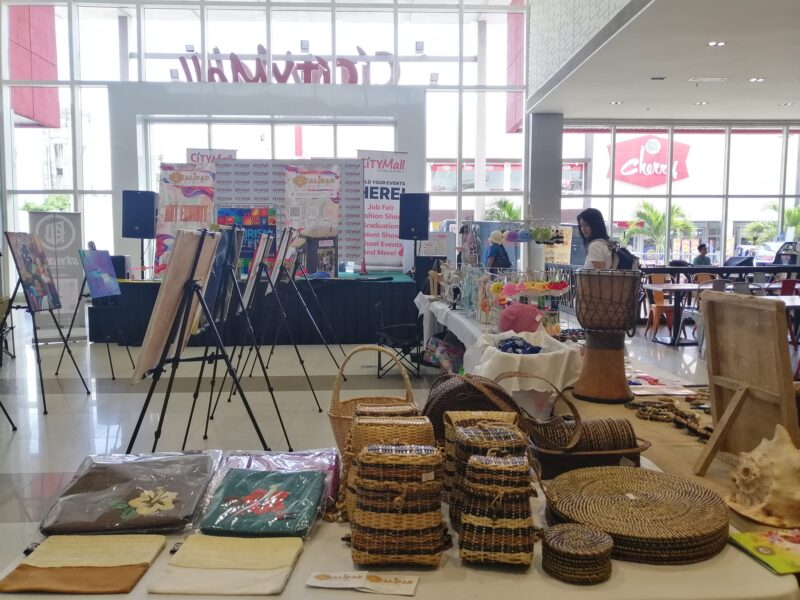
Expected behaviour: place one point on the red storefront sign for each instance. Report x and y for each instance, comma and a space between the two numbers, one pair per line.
643, 161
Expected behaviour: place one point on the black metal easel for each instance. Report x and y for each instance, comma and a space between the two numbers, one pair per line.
192, 290
27, 307
85, 295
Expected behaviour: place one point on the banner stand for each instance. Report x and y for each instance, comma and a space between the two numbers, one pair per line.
85, 295
27, 307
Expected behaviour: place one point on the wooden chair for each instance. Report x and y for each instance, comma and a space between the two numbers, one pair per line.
659, 306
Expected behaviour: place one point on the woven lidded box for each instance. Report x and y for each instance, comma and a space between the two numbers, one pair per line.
577, 554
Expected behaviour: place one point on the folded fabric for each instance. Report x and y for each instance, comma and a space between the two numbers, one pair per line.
158, 493
206, 565
265, 503
95, 564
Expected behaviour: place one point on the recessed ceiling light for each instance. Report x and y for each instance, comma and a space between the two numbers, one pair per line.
708, 79
657, 78
701, 103
757, 79
786, 103
715, 44
616, 102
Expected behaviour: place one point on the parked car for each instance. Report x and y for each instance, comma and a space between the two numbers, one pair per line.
765, 253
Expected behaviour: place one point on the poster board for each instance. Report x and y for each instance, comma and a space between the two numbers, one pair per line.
254, 222
560, 254
751, 391
185, 201
313, 196
99, 273
219, 288
169, 298
37, 282
264, 243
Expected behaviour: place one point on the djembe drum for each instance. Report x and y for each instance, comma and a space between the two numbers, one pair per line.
606, 308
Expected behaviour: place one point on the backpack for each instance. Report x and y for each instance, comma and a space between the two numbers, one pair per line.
502, 261
622, 258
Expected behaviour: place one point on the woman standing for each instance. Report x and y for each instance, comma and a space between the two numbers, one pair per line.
593, 231
496, 255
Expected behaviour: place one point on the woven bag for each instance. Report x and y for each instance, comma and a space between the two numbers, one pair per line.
484, 439
368, 431
496, 518
464, 392
341, 411
398, 514
386, 410
465, 418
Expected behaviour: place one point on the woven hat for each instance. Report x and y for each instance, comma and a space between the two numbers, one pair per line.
520, 317
496, 237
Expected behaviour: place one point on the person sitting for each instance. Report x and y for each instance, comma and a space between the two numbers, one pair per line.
702, 259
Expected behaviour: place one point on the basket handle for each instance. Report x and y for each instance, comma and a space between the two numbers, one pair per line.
484, 390
337, 382
540, 439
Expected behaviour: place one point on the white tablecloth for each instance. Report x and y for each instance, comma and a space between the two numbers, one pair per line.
436, 315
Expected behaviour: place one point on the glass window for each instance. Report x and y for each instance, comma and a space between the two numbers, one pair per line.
240, 32
752, 228
698, 158
250, 140
793, 163
168, 143
98, 221
443, 212
441, 124
586, 165
107, 43
640, 224
491, 208
755, 163
26, 203
370, 33
428, 47
95, 139
169, 35
640, 162
42, 139
303, 141
696, 221
304, 34
352, 138
38, 46
495, 42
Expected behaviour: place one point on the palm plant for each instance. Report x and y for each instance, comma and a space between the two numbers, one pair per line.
651, 223
503, 210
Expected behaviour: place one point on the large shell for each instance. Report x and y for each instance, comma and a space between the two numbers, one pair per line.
768, 482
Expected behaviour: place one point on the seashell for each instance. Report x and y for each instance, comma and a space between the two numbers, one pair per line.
767, 482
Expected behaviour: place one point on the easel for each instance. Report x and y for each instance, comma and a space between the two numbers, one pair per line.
84, 295
192, 291
4, 332
27, 307
751, 392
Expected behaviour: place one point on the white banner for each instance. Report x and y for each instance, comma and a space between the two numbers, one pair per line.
385, 178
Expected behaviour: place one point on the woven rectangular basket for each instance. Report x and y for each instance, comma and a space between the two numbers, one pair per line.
398, 512
387, 410
496, 518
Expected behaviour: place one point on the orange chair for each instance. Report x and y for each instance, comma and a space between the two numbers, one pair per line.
659, 307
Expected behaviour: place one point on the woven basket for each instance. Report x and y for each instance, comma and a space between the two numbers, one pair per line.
341, 411
368, 431
464, 392
653, 517
386, 410
577, 554
465, 418
483, 439
398, 514
496, 519
538, 430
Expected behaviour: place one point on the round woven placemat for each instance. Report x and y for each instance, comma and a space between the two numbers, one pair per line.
652, 517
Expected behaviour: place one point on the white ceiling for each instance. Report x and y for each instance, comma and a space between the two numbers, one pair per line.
669, 38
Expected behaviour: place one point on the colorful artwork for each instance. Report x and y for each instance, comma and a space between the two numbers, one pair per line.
185, 201
99, 272
219, 288
260, 256
254, 222
34, 271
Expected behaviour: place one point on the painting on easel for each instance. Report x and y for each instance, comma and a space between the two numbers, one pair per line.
34, 271
99, 271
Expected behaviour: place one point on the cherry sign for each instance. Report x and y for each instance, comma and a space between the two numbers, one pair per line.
643, 161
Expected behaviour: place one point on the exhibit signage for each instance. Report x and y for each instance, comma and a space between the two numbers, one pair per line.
61, 235
644, 161
385, 178
204, 156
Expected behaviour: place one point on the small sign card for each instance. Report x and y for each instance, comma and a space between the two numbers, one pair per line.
374, 583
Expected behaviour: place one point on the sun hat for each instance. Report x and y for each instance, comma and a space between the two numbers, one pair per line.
496, 237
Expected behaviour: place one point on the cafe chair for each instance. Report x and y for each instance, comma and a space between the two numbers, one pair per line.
692, 315
762, 278
406, 341
741, 287
789, 287
659, 306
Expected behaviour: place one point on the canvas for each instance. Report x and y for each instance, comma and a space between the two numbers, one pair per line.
34, 271
219, 288
100, 276
254, 222
169, 298
260, 256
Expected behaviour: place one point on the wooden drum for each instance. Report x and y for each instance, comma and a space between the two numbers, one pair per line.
606, 308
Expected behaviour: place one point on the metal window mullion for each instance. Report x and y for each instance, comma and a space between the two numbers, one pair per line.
784, 161
334, 70
725, 193
460, 153
204, 63
613, 171
140, 42
668, 214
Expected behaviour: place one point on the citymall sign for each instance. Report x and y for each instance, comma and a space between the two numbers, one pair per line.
644, 161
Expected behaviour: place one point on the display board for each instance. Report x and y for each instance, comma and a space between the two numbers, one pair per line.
385, 178
99, 273
61, 233
287, 188
34, 271
185, 201
254, 222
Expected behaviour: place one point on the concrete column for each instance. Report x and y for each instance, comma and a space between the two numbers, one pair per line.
544, 166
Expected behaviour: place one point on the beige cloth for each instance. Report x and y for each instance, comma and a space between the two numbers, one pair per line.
96, 551
220, 582
213, 552
73, 580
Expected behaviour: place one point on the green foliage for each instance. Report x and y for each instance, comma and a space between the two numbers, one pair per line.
760, 231
52, 203
503, 209
654, 224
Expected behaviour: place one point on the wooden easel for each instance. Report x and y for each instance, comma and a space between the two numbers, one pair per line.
749, 373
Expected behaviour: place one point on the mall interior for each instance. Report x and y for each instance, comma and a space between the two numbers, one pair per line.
215, 210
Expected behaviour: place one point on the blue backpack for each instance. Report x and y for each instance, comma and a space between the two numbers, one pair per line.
622, 258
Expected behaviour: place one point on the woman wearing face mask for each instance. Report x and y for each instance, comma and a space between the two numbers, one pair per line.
595, 238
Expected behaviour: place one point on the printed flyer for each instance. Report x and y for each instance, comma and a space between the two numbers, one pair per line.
185, 201
312, 200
